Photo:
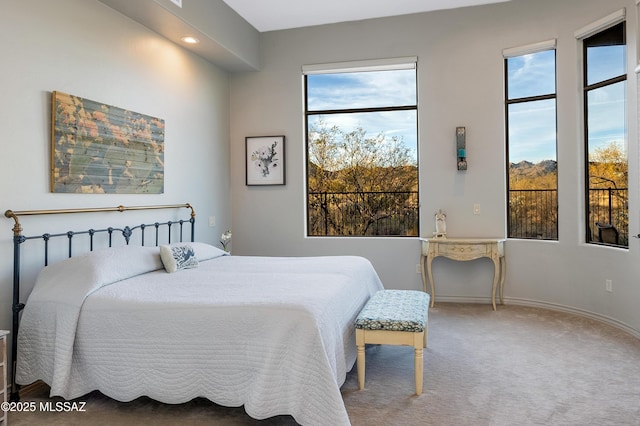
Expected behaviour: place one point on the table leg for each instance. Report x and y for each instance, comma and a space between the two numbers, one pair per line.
503, 272
496, 278
430, 275
423, 273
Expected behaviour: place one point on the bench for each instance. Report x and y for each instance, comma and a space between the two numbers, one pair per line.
394, 317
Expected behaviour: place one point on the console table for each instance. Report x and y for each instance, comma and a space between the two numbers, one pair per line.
464, 249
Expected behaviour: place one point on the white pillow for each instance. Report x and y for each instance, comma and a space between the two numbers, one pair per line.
178, 256
207, 251
87, 272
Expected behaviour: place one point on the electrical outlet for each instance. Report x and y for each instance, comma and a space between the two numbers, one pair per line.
212, 221
417, 268
476, 209
608, 285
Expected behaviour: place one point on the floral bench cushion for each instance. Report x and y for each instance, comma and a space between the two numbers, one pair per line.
395, 310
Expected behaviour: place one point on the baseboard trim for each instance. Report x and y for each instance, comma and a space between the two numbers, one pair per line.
572, 310
545, 305
463, 299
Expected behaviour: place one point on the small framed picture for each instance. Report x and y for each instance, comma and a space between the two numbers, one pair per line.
265, 160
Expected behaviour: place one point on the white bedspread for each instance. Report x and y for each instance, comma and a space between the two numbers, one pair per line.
273, 334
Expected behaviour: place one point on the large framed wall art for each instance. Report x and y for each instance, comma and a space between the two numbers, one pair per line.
102, 149
265, 160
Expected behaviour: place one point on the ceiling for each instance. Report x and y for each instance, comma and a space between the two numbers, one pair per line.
229, 30
270, 15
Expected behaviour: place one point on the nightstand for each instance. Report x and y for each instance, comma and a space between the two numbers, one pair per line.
3, 373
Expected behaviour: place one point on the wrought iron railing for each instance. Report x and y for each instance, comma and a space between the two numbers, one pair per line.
533, 213
374, 213
609, 206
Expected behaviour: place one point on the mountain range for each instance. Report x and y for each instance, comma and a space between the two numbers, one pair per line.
527, 169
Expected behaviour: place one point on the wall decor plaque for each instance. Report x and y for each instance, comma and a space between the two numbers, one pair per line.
102, 149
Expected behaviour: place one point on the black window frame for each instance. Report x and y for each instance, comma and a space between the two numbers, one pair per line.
590, 234
508, 102
323, 112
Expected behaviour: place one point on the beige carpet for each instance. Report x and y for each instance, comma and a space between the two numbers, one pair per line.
516, 366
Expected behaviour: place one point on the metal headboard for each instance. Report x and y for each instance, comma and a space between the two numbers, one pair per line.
126, 233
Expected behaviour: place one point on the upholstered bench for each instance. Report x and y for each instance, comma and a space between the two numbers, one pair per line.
394, 317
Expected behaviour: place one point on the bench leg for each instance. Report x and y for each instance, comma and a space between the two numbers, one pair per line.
419, 340
360, 357
426, 334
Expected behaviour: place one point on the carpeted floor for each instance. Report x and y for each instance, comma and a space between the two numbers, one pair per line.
516, 366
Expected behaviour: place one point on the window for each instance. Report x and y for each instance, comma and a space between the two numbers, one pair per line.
606, 167
362, 163
530, 109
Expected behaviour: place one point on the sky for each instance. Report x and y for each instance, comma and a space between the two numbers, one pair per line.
532, 125
368, 90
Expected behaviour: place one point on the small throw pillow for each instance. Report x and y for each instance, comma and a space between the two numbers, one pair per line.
178, 256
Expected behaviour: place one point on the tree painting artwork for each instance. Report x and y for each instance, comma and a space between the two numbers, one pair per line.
102, 149
265, 160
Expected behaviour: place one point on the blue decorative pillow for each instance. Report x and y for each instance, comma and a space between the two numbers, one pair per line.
178, 256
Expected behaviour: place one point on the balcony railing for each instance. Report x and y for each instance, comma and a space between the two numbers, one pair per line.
609, 205
363, 213
533, 213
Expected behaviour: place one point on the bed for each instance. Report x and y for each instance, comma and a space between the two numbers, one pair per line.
272, 334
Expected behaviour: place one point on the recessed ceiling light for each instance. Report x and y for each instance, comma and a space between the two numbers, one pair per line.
190, 40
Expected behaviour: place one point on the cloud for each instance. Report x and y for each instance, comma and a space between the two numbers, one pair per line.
367, 90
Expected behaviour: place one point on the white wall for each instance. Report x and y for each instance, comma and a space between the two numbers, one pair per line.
85, 48
460, 73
